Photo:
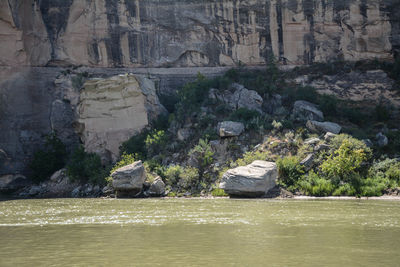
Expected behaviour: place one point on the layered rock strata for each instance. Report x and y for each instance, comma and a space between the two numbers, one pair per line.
112, 110
132, 33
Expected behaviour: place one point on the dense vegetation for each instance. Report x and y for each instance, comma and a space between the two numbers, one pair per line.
191, 164
48, 159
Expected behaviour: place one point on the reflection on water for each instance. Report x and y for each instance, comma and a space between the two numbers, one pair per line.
198, 232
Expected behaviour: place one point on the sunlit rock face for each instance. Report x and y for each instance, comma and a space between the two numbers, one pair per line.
114, 109
133, 33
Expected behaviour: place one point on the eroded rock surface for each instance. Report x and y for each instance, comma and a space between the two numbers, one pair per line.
114, 109
304, 110
371, 86
153, 33
238, 97
324, 127
230, 128
12, 182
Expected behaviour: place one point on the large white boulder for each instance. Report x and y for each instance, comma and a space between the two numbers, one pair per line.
253, 180
112, 110
128, 180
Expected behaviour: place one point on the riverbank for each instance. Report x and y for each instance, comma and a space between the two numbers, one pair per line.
218, 129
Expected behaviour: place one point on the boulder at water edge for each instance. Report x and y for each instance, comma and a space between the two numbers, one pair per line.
253, 180
12, 182
157, 188
128, 180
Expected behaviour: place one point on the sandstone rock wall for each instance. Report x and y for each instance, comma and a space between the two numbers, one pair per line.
164, 33
40, 37
114, 109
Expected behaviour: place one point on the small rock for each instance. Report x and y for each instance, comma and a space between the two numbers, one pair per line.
322, 147
96, 189
35, 190
329, 136
184, 134
245, 98
230, 128
157, 188
381, 140
273, 105
88, 189
304, 111
58, 176
76, 192
308, 161
312, 141
368, 142
107, 190
316, 126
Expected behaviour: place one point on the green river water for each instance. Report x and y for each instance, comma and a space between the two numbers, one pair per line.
199, 232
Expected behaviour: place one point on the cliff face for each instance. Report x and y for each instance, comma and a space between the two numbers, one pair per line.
114, 109
157, 33
38, 38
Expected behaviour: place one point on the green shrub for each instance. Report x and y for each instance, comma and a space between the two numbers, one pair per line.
352, 143
161, 123
189, 178
182, 177
251, 156
374, 186
344, 190
388, 168
243, 115
203, 154
155, 142
172, 194
191, 96
382, 113
314, 185
154, 166
48, 160
353, 114
169, 101
328, 105
86, 167
232, 74
394, 142
307, 93
209, 134
172, 174
277, 125
136, 145
218, 192
393, 173
290, 170
345, 162
125, 159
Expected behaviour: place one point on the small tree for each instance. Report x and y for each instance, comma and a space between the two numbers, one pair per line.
203, 154
86, 167
48, 159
